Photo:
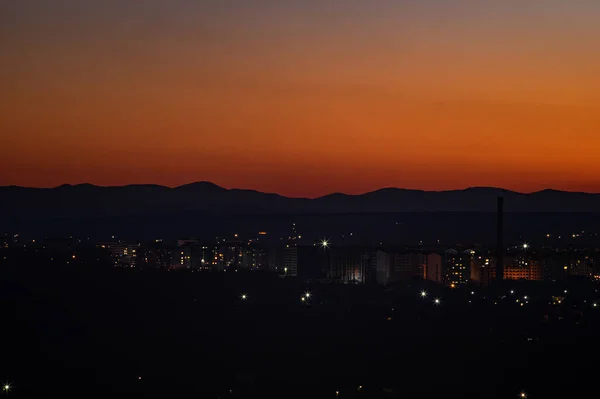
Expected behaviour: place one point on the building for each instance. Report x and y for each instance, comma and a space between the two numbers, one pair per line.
154, 256
584, 266
353, 265
457, 267
350, 269
483, 267
183, 257
434, 268
380, 263
290, 254
406, 266
520, 267
122, 254
290, 260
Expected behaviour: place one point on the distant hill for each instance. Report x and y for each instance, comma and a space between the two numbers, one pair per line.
87, 201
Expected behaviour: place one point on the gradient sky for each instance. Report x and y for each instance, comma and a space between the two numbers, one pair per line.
301, 97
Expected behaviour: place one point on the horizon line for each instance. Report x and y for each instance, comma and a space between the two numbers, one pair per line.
296, 197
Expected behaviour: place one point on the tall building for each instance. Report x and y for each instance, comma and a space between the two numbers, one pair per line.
183, 257
381, 265
290, 254
483, 269
434, 268
155, 256
408, 266
457, 268
350, 268
290, 260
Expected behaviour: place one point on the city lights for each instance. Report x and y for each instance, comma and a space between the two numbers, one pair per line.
307, 294
525, 246
423, 294
6, 388
437, 301
324, 243
303, 299
522, 395
244, 297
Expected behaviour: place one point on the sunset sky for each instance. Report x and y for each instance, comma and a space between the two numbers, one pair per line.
302, 97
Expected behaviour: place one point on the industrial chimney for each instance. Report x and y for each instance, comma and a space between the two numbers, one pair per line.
500, 240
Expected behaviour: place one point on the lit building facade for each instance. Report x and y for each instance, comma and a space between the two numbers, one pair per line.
457, 267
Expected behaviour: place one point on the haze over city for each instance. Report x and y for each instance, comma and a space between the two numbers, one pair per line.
302, 98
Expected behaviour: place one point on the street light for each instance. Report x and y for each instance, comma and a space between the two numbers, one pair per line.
307, 294
423, 294
324, 243
522, 395
437, 301
244, 297
6, 388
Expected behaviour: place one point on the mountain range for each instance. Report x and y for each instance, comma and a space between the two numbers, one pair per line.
86, 201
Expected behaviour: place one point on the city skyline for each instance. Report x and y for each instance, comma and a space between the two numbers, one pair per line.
301, 98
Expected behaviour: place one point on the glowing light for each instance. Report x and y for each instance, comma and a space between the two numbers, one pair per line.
525, 246
307, 294
595, 305
303, 299
324, 243
525, 297
437, 301
423, 294
244, 297
452, 285
523, 395
512, 292
6, 387
360, 387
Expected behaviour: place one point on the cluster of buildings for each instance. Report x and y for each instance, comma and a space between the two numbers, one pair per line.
453, 268
323, 261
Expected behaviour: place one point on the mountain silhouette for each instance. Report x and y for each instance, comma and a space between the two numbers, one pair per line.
88, 201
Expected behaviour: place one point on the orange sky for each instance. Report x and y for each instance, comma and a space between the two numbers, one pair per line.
301, 98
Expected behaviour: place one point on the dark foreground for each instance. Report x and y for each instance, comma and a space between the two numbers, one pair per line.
100, 334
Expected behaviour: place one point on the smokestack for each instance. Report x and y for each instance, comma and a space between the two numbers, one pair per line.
500, 242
